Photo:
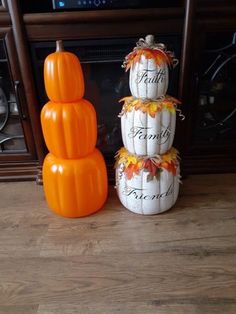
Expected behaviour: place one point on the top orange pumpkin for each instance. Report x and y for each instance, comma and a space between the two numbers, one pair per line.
63, 76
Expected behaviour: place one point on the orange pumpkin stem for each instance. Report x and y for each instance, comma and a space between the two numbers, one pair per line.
59, 46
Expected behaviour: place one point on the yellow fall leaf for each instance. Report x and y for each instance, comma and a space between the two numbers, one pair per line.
130, 160
166, 158
134, 102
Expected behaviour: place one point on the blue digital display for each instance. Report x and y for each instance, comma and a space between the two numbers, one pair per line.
81, 4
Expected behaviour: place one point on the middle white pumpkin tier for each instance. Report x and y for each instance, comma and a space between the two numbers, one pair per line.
143, 134
147, 79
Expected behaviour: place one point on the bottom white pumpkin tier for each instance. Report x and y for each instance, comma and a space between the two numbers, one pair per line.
147, 197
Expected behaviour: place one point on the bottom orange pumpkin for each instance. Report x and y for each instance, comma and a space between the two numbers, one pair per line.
75, 187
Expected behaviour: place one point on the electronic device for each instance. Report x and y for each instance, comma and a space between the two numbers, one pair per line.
107, 4
29, 6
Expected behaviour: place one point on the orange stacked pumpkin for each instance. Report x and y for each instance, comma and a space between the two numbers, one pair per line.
74, 171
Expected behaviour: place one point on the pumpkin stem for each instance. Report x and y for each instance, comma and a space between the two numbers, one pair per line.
59, 46
149, 40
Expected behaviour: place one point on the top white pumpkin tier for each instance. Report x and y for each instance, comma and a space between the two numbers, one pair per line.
148, 80
149, 68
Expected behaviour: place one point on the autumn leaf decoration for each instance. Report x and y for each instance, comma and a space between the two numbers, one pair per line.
152, 107
150, 50
133, 164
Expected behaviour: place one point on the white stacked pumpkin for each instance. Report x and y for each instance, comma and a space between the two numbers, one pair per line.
147, 169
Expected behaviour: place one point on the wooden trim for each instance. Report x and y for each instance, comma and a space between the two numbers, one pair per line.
184, 83
15, 157
102, 16
102, 24
27, 76
186, 48
101, 30
4, 30
216, 11
18, 171
16, 76
4, 18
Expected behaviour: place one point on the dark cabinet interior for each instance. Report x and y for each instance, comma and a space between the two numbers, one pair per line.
202, 35
11, 132
211, 120
216, 111
13, 137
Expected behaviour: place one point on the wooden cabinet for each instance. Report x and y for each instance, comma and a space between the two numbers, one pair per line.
18, 157
204, 81
210, 105
16, 138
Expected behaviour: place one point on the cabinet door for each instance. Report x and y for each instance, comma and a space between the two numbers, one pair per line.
16, 140
212, 112
216, 98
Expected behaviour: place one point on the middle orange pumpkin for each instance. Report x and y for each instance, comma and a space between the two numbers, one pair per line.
69, 129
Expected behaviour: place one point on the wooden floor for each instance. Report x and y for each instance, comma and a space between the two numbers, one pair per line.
180, 262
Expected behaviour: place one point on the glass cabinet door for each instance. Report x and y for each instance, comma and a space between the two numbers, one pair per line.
216, 108
16, 142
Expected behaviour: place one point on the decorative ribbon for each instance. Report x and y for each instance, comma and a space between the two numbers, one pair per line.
152, 107
149, 43
181, 115
132, 164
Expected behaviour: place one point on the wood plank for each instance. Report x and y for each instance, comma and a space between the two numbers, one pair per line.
104, 15
19, 309
171, 306
129, 277
117, 262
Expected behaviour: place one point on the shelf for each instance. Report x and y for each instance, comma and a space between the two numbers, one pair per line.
104, 16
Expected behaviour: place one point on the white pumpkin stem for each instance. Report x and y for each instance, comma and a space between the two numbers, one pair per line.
150, 40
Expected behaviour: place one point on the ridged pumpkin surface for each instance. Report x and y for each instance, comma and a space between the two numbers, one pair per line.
69, 129
143, 134
75, 188
147, 197
63, 77
147, 79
